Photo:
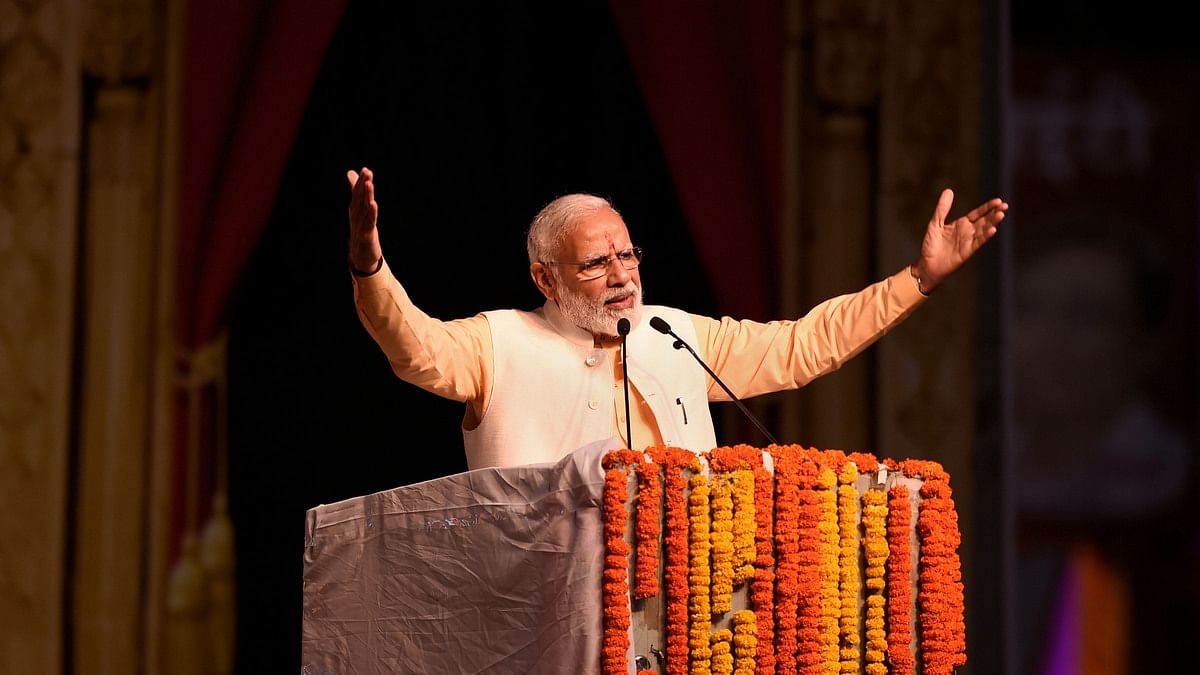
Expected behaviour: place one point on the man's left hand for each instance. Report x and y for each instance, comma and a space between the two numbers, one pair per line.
947, 245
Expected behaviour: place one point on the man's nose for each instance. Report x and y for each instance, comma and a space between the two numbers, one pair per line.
617, 274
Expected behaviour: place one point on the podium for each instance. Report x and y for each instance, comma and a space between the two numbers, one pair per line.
785, 560
491, 570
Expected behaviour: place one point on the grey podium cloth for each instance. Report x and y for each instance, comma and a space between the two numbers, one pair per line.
494, 570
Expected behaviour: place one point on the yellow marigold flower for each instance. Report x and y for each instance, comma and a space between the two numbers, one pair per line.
875, 549
743, 525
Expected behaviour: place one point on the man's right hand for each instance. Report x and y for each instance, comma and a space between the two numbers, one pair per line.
365, 251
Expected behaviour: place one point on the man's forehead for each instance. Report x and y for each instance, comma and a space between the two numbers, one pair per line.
598, 233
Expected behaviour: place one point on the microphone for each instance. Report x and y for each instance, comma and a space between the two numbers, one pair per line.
658, 324
623, 331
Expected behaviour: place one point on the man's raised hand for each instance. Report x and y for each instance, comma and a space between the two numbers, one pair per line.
947, 245
365, 251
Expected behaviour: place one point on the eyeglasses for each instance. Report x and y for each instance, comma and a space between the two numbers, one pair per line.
594, 268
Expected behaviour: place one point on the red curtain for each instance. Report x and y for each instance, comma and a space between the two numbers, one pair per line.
711, 75
249, 68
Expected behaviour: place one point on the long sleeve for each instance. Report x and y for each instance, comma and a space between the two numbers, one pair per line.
755, 358
452, 359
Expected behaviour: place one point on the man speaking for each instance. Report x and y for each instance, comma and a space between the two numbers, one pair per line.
539, 384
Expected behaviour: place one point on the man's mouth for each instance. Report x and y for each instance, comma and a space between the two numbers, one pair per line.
620, 302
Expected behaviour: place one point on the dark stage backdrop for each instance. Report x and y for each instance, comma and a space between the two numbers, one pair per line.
1104, 178
471, 121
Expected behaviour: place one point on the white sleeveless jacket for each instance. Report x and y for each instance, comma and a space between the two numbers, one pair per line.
553, 390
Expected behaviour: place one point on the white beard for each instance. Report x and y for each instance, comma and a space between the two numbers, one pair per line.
596, 317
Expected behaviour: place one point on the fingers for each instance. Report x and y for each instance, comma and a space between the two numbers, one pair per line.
363, 209
358, 179
984, 228
945, 201
987, 209
362, 187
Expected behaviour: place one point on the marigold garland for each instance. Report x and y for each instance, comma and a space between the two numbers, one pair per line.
876, 636
722, 652
721, 540
699, 576
808, 633
745, 642
833, 459
796, 540
616, 574
621, 459
759, 521
762, 589
864, 461
648, 530
738, 462
831, 607
675, 570
876, 550
848, 565
899, 576
939, 582
787, 547
743, 525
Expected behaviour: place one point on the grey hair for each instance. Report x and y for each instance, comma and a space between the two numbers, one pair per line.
554, 222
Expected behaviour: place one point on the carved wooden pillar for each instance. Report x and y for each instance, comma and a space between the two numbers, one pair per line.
39, 145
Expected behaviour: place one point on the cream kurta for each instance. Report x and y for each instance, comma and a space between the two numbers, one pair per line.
453, 359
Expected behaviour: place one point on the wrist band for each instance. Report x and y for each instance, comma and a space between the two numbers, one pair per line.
379, 266
916, 277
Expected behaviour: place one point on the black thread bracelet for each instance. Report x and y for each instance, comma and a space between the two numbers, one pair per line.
378, 266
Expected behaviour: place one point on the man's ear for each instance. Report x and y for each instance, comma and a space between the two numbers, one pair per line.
543, 278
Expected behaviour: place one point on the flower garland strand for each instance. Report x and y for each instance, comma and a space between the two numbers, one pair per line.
757, 522
831, 606
649, 530
762, 589
738, 462
699, 576
745, 642
800, 530
808, 633
787, 547
744, 515
848, 565
721, 540
864, 461
875, 548
675, 573
899, 579
939, 582
722, 652
613, 655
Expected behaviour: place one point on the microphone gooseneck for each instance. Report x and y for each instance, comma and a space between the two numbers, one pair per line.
660, 325
623, 331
